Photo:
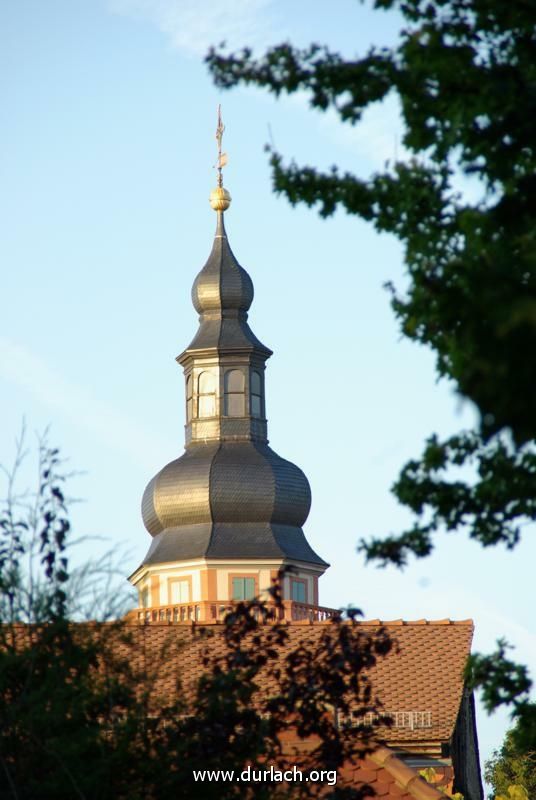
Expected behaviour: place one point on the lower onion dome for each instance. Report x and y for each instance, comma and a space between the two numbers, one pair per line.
228, 500
226, 482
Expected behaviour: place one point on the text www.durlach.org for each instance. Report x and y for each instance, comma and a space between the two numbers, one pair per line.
271, 775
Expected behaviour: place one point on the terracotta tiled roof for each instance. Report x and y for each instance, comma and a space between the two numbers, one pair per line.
423, 673
390, 777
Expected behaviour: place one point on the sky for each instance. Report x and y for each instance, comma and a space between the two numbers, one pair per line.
107, 155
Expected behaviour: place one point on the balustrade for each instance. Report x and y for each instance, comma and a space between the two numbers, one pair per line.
215, 611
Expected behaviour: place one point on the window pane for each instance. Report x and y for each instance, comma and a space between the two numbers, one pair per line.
255, 383
256, 408
234, 405
188, 387
234, 381
206, 383
180, 592
243, 588
297, 591
238, 589
189, 405
207, 405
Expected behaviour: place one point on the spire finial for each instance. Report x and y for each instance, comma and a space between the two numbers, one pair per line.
222, 157
220, 199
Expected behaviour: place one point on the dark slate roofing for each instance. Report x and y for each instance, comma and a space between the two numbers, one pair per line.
227, 482
222, 284
231, 540
222, 294
225, 333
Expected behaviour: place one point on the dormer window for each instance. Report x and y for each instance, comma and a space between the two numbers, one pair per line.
255, 394
235, 398
206, 391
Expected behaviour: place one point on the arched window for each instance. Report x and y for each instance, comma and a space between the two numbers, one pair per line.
206, 391
189, 399
235, 387
255, 393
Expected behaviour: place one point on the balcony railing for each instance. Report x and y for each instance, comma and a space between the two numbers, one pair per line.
215, 611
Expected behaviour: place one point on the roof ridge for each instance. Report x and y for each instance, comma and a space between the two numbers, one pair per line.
445, 621
313, 623
406, 777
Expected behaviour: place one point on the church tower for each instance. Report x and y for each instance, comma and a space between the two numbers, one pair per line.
226, 516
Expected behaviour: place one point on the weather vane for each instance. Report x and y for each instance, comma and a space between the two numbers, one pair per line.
222, 157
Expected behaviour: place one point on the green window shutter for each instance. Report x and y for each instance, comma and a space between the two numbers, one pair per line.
297, 591
243, 588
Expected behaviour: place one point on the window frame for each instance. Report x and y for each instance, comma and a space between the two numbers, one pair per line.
253, 395
202, 395
189, 398
230, 394
243, 576
179, 579
298, 582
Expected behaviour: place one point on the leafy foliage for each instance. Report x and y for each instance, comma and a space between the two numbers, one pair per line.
465, 76
511, 769
514, 793
61, 692
431, 776
493, 508
34, 528
35, 543
504, 682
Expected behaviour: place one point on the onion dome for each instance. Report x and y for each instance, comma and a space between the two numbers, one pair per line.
222, 284
228, 500
235, 483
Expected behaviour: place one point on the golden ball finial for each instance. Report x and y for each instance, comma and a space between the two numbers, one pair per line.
220, 199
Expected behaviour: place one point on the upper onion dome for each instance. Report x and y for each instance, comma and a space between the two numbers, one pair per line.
222, 284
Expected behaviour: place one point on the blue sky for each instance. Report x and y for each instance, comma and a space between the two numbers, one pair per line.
106, 162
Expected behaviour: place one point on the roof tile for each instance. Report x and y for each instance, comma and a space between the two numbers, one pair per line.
423, 672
